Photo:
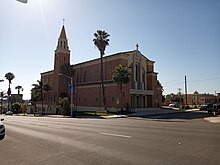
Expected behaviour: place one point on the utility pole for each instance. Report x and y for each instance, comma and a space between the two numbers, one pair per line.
215, 97
186, 90
179, 95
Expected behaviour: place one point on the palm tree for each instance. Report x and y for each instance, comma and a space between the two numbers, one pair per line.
19, 87
101, 41
121, 76
9, 76
35, 96
39, 90
2, 95
67, 70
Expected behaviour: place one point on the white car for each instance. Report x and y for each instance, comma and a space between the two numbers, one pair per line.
9, 113
2, 130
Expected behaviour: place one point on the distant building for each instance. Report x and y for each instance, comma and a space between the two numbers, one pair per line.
199, 99
194, 99
143, 90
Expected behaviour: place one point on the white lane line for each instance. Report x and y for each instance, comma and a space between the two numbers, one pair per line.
111, 134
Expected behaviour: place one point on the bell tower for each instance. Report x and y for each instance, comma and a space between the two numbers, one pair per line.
62, 56
62, 52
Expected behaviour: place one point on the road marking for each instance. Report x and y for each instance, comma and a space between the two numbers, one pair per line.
117, 135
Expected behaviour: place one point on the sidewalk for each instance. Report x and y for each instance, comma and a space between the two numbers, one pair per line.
215, 119
148, 112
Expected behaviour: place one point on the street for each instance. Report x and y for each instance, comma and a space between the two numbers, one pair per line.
181, 138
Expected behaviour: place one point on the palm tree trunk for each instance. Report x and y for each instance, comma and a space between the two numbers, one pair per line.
121, 96
42, 100
9, 97
102, 81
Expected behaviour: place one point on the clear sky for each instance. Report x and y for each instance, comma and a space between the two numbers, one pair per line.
181, 36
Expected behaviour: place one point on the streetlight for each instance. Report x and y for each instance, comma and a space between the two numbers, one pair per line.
71, 93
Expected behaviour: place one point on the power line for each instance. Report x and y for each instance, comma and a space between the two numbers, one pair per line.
192, 81
201, 80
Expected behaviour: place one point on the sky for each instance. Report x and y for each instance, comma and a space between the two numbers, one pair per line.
181, 36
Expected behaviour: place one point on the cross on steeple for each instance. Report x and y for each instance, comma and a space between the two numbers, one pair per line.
137, 46
63, 21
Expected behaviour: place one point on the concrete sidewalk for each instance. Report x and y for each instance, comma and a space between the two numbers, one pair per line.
215, 119
139, 113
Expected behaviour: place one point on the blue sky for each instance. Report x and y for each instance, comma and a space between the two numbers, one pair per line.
181, 36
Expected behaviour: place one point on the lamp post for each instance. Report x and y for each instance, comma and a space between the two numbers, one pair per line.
71, 96
71, 93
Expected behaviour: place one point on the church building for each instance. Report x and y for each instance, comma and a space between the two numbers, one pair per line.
143, 90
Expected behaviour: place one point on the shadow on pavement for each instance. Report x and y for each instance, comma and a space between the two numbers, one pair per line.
178, 115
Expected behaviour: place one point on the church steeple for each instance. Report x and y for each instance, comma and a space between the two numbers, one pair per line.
63, 33
62, 52
62, 45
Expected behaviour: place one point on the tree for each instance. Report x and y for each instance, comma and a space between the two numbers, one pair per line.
2, 95
159, 84
9, 76
16, 107
64, 104
67, 70
174, 97
19, 87
35, 96
196, 92
121, 76
101, 41
39, 90
24, 108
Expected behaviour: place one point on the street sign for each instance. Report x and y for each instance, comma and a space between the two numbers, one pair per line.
71, 88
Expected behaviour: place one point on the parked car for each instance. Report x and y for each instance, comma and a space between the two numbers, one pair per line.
215, 110
2, 130
9, 113
174, 105
203, 107
206, 106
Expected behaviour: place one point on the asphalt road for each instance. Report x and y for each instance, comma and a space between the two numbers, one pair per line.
169, 139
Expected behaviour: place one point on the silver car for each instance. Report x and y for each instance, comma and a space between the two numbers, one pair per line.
2, 130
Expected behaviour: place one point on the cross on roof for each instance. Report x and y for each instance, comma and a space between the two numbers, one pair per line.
63, 21
137, 46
